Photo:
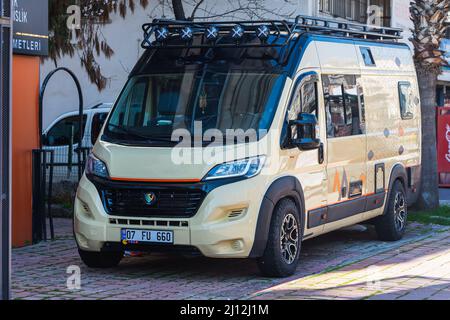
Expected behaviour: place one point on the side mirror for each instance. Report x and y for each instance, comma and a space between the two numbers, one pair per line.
306, 132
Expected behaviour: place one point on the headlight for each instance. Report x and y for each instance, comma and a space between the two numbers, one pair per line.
96, 167
247, 168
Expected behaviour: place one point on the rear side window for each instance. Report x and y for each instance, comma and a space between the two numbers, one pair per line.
367, 56
406, 100
344, 106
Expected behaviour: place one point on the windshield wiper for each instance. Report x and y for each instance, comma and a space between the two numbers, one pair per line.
140, 136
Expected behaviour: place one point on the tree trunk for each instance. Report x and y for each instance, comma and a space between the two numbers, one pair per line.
429, 192
178, 10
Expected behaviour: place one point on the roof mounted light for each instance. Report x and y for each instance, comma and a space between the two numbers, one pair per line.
161, 34
263, 32
283, 32
237, 32
212, 33
186, 34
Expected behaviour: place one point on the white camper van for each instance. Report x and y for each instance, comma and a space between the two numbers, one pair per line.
324, 119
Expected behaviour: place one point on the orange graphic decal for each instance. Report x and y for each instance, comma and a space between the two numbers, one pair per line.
337, 182
363, 180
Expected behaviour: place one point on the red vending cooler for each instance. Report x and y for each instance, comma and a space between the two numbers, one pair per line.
443, 143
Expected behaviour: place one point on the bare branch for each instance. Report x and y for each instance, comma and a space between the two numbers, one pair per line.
195, 9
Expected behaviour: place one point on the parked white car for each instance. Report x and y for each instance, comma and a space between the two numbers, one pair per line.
64, 132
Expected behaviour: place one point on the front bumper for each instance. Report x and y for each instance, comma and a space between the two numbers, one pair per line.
223, 227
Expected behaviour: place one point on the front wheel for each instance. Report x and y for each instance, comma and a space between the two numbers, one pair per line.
391, 226
100, 259
282, 253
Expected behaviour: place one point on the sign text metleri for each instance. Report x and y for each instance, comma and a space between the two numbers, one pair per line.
30, 27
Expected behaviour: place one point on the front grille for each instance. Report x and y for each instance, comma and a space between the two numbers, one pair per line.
168, 203
158, 223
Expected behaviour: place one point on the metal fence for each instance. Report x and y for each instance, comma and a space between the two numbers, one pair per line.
57, 168
67, 159
55, 179
58, 164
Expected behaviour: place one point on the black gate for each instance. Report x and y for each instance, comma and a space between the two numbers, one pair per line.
56, 165
5, 105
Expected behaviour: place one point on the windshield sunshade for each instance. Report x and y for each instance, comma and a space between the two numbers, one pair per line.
153, 106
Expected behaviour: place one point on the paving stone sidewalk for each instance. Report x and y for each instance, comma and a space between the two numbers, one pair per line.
347, 264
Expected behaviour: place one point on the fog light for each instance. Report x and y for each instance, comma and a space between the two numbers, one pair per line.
237, 245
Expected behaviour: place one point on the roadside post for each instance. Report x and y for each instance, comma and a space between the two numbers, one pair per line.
5, 120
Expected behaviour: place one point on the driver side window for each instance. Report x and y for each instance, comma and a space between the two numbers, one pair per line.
304, 101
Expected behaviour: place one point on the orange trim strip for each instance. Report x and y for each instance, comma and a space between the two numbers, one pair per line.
156, 180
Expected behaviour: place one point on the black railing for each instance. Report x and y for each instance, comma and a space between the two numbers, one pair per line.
42, 162
58, 163
45, 176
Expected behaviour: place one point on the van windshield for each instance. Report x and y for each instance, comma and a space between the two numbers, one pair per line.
153, 106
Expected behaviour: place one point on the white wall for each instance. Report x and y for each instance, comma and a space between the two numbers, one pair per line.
401, 18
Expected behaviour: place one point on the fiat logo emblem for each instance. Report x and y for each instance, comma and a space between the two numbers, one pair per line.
150, 198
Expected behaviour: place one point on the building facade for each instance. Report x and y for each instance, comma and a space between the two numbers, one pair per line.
125, 36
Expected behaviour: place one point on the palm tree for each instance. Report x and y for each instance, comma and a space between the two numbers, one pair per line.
429, 18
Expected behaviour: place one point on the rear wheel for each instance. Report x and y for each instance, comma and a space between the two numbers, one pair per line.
282, 253
391, 226
100, 259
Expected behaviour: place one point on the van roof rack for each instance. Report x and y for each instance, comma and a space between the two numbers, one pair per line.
346, 29
271, 33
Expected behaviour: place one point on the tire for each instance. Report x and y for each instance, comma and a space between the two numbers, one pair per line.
100, 259
277, 261
391, 226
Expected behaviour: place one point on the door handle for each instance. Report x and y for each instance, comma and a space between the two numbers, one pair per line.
321, 153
